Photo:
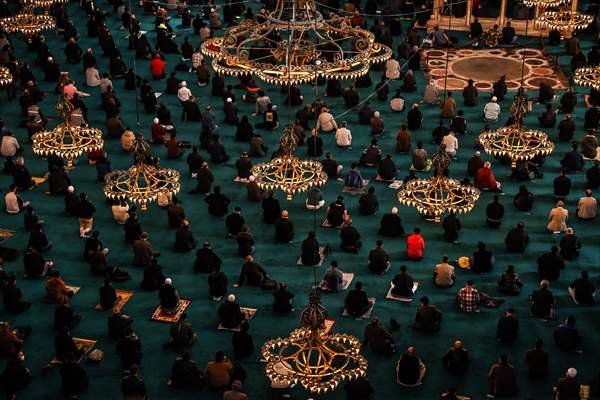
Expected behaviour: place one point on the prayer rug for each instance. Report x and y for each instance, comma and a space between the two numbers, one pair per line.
366, 314
160, 316
123, 297
321, 253
380, 179
248, 312
73, 289
391, 296
347, 278
353, 190
237, 179
85, 344
6, 234
327, 325
397, 184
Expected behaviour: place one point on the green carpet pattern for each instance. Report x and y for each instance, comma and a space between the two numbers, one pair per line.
476, 331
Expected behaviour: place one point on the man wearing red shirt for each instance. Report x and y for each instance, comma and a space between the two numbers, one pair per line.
415, 245
485, 179
158, 67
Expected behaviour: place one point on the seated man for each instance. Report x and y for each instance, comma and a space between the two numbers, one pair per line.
517, 239
310, 250
582, 290
169, 298
371, 155
379, 259
284, 229
509, 35
368, 203
403, 283
570, 245
510, 283
336, 213
350, 238
542, 301
378, 339
456, 360
485, 179
64, 344
507, 327
13, 297
483, 259
283, 298
443, 275
391, 225
410, 369
64, 316
419, 158
117, 323
354, 178
468, 298
253, 272
108, 295
217, 283
502, 378
568, 387
56, 290
153, 276
182, 334
386, 170
415, 245
566, 335
357, 302
185, 373
314, 199
428, 317
245, 242
230, 313
333, 278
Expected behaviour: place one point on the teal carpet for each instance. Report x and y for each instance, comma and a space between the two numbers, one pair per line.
477, 331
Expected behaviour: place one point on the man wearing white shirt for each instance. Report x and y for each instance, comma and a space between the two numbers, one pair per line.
14, 204
10, 145
451, 144
262, 102
184, 93
586, 209
326, 123
491, 111
343, 136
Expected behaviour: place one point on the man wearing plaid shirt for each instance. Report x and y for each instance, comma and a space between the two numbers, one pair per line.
197, 57
468, 298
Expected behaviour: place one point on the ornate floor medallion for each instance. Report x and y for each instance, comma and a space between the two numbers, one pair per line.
487, 65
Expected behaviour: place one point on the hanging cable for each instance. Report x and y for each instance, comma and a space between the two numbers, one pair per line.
447, 53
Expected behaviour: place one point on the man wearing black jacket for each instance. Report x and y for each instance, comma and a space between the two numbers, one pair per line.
206, 259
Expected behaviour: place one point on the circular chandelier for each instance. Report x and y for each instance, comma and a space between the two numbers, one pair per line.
6, 77
67, 141
587, 76
545, 3
515, 141
295, 44
440, 194
27, 22
46, 4
288, 173
316, 359
144, 181
564, 20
